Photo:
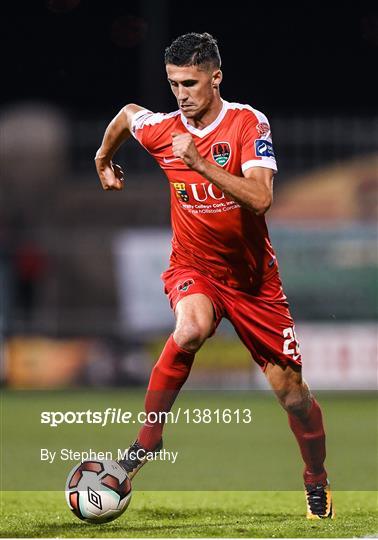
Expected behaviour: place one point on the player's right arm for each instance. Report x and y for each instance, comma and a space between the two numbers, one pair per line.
117, 132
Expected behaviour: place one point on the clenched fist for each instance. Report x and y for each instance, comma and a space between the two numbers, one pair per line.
183, 147
110, 174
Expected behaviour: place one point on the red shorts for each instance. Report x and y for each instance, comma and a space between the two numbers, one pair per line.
261, 317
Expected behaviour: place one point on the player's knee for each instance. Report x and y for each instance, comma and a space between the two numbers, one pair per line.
191, 335
297, 403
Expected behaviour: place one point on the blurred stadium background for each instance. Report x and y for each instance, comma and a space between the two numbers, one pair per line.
81, 298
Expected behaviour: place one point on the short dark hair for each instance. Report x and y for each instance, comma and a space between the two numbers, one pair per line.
193, 50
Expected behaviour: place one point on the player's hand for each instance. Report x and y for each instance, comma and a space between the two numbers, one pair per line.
111, 175
183, 147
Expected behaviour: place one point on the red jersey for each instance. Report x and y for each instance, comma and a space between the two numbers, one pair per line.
211, 232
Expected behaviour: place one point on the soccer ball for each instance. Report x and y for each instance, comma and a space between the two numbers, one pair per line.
98, 491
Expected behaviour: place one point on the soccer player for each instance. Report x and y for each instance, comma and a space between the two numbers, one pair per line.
219, 161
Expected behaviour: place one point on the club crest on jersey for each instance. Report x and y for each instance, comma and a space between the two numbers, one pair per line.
183, 287
181, 193
221, 152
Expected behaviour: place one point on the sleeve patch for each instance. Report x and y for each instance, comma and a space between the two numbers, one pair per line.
263, 128
264, 148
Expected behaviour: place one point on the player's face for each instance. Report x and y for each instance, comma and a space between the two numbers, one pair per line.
195, 89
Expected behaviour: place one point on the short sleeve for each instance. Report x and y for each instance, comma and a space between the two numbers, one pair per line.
138, 124
256, 141
152, 130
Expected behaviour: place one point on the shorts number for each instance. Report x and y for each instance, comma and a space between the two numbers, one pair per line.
289, 333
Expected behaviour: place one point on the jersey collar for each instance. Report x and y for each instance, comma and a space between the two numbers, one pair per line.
208, 129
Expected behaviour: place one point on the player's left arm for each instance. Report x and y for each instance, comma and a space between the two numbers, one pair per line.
253, 190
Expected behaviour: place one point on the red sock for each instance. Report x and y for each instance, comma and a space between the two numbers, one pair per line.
167, 377
310, 435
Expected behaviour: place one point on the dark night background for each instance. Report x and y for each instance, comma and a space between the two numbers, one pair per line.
69, 66
97, 56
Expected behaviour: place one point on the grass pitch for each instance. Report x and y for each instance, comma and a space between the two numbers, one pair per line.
162, 514
266, 455
261, 456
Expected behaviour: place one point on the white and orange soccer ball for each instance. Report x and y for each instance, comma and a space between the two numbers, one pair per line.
98, 491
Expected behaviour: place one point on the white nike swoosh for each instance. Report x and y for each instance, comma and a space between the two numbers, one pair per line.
170, 160
295, 357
